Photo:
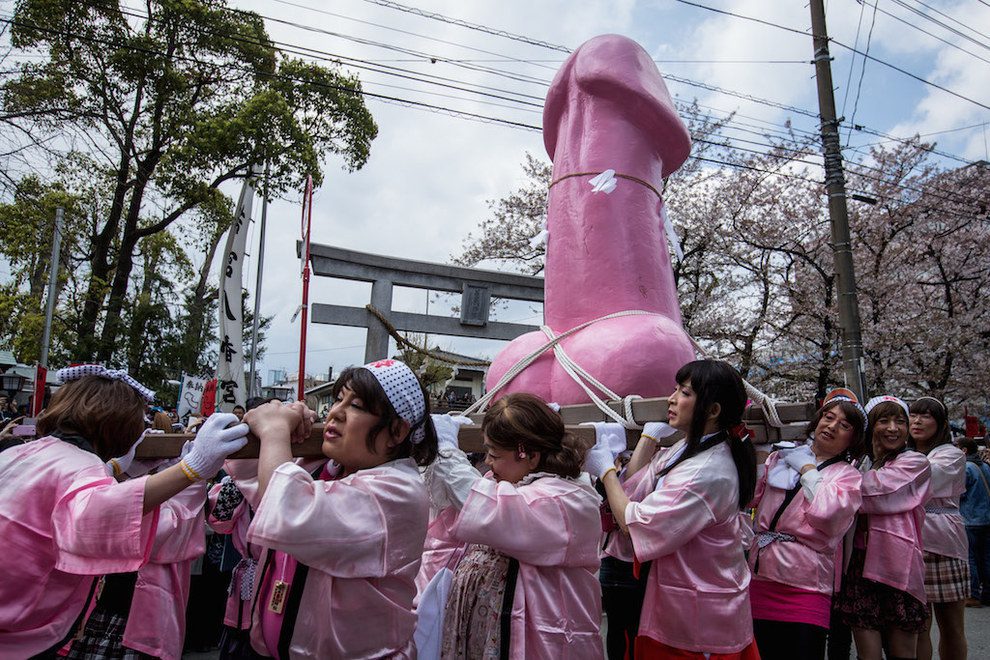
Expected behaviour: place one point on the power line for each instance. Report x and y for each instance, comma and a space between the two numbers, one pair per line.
503, 58
557, 47
472, 26
957, 22
926, 32
852, 63
942, 25
464, 114
862, 72
847, 47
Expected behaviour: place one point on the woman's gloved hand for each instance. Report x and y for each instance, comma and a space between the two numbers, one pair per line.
448, 426
610, 441
212, 445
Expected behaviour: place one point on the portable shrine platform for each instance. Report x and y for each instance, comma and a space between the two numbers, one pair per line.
794, 417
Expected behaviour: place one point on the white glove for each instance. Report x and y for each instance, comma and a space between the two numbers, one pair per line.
658, 430
798, 457
610, 441
121, 464
782, 476
447, 427
212, 445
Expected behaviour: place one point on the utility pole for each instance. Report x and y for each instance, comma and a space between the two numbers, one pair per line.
52, 286
845, 278
253, 387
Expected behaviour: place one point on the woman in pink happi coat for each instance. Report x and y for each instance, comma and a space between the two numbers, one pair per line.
806, 501
154, 619
883, 595
525, 585
65, 522
944, 535
682, 515
342, 538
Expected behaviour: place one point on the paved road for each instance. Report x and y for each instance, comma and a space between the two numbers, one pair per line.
977, 633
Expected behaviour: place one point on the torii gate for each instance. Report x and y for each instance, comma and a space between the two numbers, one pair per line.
476, 287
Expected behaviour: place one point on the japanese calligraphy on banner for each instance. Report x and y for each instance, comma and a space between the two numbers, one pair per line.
190, 395
230, 361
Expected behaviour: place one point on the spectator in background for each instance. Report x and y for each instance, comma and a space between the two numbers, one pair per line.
974, 505
4, 408
239, 411
162, 422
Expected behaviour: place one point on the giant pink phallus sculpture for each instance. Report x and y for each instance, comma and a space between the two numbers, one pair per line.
608, 108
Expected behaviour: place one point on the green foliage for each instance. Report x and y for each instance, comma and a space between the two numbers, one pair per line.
174, 98
432, 373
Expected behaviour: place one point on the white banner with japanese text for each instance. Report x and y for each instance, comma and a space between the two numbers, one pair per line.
230, 361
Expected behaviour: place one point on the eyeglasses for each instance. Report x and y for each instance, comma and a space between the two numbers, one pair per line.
831, 418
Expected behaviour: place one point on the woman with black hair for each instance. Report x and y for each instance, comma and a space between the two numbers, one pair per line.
342, 537
805, 503
944, 536
682, 514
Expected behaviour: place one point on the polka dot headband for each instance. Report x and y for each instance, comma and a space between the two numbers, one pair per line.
404, 393
81, 371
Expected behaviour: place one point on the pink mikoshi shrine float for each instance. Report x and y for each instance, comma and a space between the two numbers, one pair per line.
612, 323
613, 336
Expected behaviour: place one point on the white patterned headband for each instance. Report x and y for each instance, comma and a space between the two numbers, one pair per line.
886, 398
843, 397
75, 373
404, 393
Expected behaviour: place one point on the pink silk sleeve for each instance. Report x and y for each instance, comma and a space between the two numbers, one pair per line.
99, 526
524, 523
181, 534
900, 486
339, 527
666, 519
761, 486
832, 511
948, 472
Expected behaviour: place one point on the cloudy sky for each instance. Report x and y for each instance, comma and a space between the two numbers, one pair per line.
430, 174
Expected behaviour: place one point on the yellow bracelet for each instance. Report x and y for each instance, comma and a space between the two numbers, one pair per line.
643, 435
115, 466
190, 473
607, 470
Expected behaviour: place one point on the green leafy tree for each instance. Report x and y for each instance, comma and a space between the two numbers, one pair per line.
27, 225
173, 99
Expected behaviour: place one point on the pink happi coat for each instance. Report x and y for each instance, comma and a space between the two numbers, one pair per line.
156, 624
552, 527
944, 533
894, 503
362, 538
238, 612
689, 527
819, 522
63, 522
444, 478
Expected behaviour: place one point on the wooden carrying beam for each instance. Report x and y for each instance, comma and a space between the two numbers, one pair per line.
795, 417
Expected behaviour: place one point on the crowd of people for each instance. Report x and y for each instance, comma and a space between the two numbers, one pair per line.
395, 544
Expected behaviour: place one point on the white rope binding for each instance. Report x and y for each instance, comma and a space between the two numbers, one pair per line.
764, 401
572, 369
580, 375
